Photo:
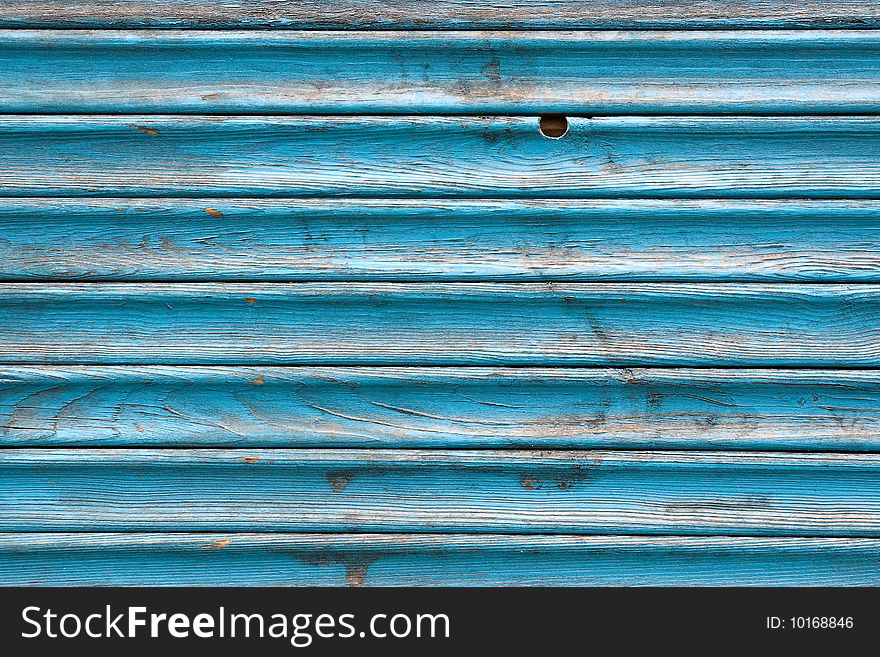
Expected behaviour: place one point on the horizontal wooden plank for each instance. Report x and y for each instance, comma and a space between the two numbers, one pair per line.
442, 240
88, 559
647, 72
627, 324
435, 407
444, 14
439, 156
630, 492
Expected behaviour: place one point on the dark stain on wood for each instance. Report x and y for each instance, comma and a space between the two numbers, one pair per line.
145, 129
339, 480
356, 564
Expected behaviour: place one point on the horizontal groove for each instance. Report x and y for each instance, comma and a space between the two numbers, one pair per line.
426, 120
417, 367
405, 114
373, 202
447, 534
426, 280
428, 367
549, 108
435, 365
366, 451
73, 196
453, 533
220, 196
848, 26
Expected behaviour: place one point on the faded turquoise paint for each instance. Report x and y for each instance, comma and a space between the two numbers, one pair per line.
457, 491
438, 240
427, 157
705, 72
240, 407
247, 559
556, 324
524, 360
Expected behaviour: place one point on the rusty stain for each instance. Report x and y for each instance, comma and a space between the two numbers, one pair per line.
338, 480
217, 544
211, 96
530, 483
213, 212
356, 574
258, 381
251, 459
144, 129
356, 565
629, 377
250, 300
138, 428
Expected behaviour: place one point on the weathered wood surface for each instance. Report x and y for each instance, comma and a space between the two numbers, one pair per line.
626, 324
443, 14
648, 72
152, 302
422, 157
433, 407
108, 559
452, 240
376, 490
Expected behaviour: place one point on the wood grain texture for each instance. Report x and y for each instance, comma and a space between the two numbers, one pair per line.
367, 328
441, 240
442, 14
648, 72
88, 559
757, 325
375, 490
435, 407
436, 156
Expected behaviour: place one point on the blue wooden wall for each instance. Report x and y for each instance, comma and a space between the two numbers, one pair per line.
450, 292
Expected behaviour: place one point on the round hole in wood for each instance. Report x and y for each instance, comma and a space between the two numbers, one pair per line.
553, 125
